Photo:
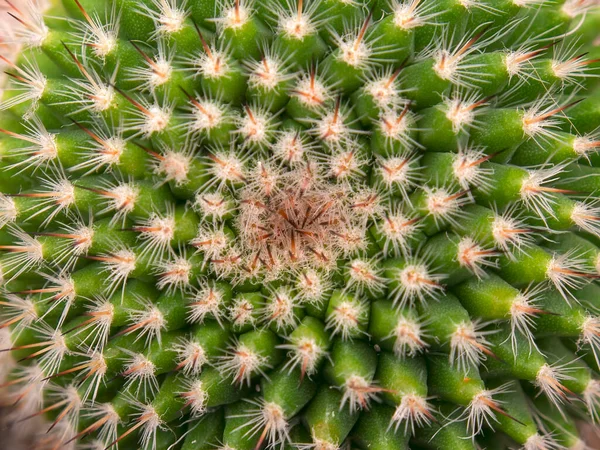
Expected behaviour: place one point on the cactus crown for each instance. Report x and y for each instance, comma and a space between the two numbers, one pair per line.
311, 224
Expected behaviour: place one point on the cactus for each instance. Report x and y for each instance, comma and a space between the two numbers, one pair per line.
302, 224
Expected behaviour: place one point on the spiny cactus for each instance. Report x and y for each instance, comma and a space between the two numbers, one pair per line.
311, 224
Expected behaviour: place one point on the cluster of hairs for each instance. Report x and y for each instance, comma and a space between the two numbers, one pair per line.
311, 224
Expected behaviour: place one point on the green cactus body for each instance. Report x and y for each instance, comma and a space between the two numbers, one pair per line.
302, 225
